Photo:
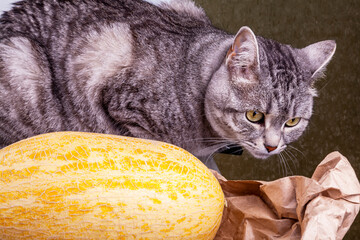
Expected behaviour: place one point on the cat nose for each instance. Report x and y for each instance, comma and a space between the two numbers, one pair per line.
270, 148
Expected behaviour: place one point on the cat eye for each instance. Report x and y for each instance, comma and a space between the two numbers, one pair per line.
292, 122
254, 116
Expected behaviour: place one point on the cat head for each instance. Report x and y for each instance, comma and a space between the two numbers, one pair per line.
261, 97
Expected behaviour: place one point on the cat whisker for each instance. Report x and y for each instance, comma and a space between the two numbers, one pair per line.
214, 141
237, 152
281, 165
250, 144
218, 147
286, 165
290, 153
211, 149
292, 158
208, 140
292, 147
325, 84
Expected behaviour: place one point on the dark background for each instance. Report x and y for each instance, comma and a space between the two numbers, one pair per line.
335, 125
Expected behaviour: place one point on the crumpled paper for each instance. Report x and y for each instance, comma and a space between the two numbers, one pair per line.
321, 207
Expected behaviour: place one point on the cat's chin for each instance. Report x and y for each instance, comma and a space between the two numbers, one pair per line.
260, 155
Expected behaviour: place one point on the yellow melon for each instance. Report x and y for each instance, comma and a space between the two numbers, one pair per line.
73, 185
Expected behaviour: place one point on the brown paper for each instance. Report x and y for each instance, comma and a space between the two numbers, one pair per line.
296, 207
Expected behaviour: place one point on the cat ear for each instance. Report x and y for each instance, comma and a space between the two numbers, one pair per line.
243, 55
319, 55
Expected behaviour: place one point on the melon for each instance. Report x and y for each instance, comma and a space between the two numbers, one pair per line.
75, 185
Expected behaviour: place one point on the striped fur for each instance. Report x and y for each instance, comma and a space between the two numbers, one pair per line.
129, 67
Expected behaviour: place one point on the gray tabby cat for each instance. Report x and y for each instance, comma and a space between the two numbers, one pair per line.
157, 71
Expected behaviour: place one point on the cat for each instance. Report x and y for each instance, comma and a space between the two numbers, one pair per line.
152, 69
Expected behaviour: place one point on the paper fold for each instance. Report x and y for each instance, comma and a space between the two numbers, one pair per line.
321, 207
